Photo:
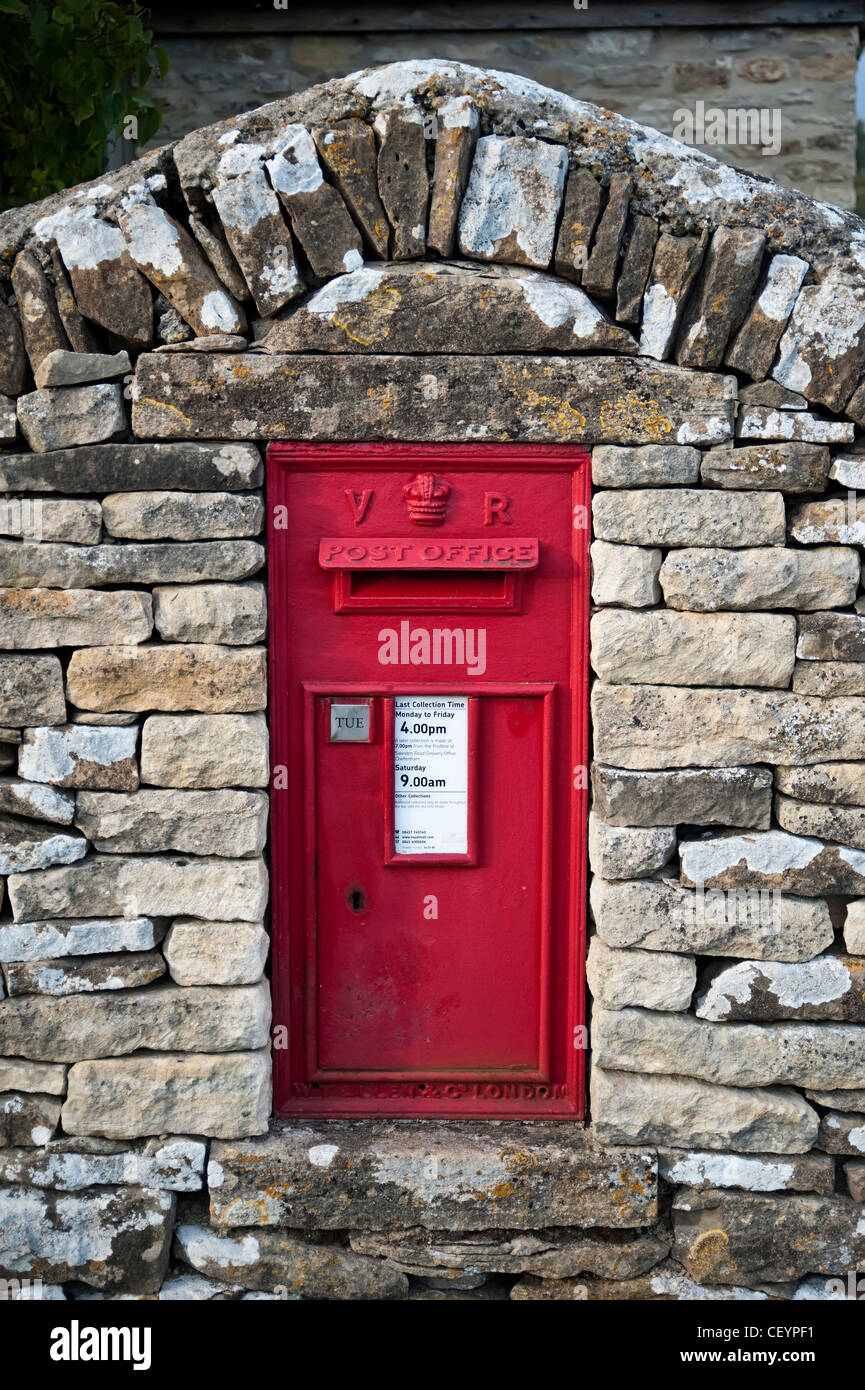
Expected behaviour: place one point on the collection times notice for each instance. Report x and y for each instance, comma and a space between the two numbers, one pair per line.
430, 811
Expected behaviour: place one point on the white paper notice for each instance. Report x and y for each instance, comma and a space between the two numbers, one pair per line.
430, 774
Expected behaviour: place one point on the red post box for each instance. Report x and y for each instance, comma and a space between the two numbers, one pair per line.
429, 675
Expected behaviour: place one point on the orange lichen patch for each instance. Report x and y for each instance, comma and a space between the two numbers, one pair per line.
367, 320
558, 414
517, 1162
709, 1254
164, 405
241, 369
632, 412
382, 395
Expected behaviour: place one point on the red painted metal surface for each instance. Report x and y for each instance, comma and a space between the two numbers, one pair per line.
448, 982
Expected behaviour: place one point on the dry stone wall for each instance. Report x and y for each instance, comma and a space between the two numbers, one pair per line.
430, 252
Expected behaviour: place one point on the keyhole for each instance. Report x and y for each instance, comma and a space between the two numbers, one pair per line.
356, 900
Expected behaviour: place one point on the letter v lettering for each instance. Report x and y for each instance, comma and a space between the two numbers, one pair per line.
358, 503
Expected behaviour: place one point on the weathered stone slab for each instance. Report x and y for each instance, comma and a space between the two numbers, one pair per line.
737, 796
669, 648
831, 637
665, 1284
771, 393
17, 1074
270, 1259
8, 419
705, 579
842, 1133
40, 322
514, 1176
828, 678
61, 368
560, 399
347, 150
234, 614
855, 1174
214, 750
742, 1054
660, 915
776, 467
645, 979
446, 1257
223, 1094
833, 783
170, 259
457, 129
625, 575
73, 617
759, 422
231, 890
721, 296
211, 239
26, 845
845, 824
652, 465
795, 864
822, 351
162, 1016
77, 755
259, 238
580, 212
830, 519
512, 202
215, 953
402, 178
83, 339
855, 407
30, 564
179, 676
35, 801
752, 1172
854, 928
432, 307
689, 516
628, 1108
68, 1165
13, 359
674, 268
752, 351
61, 416
626, 852
53, 940
181, 516
227, 823
748, 1238
319, 217
115, 1239
27, 1119
599, 273
66, 520
107, 287
84, 975
642, 726
828, 987
134, 467
634, 271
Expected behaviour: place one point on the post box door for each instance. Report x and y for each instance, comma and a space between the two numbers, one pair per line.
428, 681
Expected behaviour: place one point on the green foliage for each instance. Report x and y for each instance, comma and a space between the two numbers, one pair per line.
71, 74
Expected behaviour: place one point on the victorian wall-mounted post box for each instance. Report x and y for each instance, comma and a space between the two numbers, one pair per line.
429, 674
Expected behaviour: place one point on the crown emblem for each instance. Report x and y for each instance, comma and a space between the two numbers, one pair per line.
427, 498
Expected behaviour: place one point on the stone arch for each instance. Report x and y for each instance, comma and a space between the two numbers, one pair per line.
499, 261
